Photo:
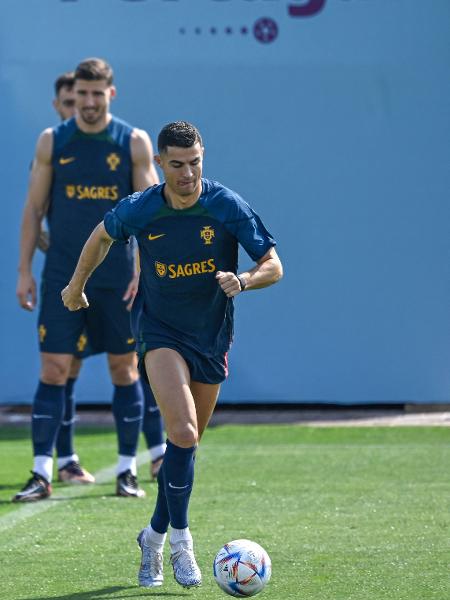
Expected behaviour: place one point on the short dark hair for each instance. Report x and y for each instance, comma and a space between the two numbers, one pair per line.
64, 80
180, 134
94, 69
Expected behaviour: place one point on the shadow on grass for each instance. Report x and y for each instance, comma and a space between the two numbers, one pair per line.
98, 594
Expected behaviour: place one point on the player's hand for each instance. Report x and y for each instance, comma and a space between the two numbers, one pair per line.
131, 291
229, 283
26, 291
74, 299
43, 240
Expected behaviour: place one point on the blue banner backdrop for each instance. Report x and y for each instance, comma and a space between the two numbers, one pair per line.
331, 117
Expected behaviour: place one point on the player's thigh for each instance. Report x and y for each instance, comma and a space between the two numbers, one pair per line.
123, 368
170, 382
58, 328
205, 397
108, 326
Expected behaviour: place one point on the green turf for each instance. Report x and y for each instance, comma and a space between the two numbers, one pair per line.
345, 514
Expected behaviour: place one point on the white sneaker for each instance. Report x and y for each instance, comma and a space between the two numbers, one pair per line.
151, 569
185, 568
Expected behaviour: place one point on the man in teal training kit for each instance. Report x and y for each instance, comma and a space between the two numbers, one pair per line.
188, 230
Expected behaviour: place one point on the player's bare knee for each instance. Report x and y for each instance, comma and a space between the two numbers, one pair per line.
123, 372
55, 371
184, 435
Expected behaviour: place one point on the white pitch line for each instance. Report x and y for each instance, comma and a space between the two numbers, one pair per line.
32, 509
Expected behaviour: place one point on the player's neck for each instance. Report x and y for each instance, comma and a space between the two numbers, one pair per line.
178, 202
96, 127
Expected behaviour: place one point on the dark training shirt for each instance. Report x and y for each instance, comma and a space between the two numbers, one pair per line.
179, 298
91, 173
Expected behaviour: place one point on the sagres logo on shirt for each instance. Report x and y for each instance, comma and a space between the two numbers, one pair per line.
161, 269
92, 192
173, 271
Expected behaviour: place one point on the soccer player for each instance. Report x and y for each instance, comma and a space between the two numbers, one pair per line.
69, 468
188, 230
81, 169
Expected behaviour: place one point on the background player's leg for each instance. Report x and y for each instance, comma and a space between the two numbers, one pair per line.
127, 406
153, 430
69, 468
48, 409
47, 413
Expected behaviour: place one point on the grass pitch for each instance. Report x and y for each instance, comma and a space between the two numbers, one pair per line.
344, 513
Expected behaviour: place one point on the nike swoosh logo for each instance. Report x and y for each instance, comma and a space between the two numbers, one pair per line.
178, 487
131, 419
155, 237
152, 409
66, 161
42, 417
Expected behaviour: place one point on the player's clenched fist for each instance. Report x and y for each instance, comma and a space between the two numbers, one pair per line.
229, 283
74, 299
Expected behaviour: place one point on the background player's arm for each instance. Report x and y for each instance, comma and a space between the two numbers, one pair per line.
143, 168
144, 175
267, 271
36, 206
94, 251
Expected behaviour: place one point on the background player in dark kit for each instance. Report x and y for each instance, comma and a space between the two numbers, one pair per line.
69, 469
81, 169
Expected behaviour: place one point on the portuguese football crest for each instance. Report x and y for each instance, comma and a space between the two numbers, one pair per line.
113, 161
207, 234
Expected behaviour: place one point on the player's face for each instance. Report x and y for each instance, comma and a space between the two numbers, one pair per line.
92, 99
64, 103
182, 168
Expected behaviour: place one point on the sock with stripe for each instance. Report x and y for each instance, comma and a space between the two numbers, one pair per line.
127, 407
64, 440
178, 468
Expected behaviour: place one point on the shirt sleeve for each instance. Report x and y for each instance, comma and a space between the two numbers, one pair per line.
246, 226
119, 222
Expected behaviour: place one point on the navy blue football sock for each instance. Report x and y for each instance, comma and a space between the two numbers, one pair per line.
127, 407
152, 426
64, 440
160, 519
48, 409
178, 467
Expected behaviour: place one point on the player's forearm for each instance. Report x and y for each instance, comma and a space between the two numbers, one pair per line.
264, 274
31, 227
94, 252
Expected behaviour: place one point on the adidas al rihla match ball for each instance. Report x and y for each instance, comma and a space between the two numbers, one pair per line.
242, 568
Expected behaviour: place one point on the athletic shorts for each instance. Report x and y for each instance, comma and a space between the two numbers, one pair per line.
102, 327
204, 369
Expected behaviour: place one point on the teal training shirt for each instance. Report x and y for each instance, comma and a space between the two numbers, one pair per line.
91, 173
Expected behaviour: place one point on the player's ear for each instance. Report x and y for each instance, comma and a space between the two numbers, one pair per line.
157, 159
113, 92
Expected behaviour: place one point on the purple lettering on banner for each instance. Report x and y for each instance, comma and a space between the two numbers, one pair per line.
306, 10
